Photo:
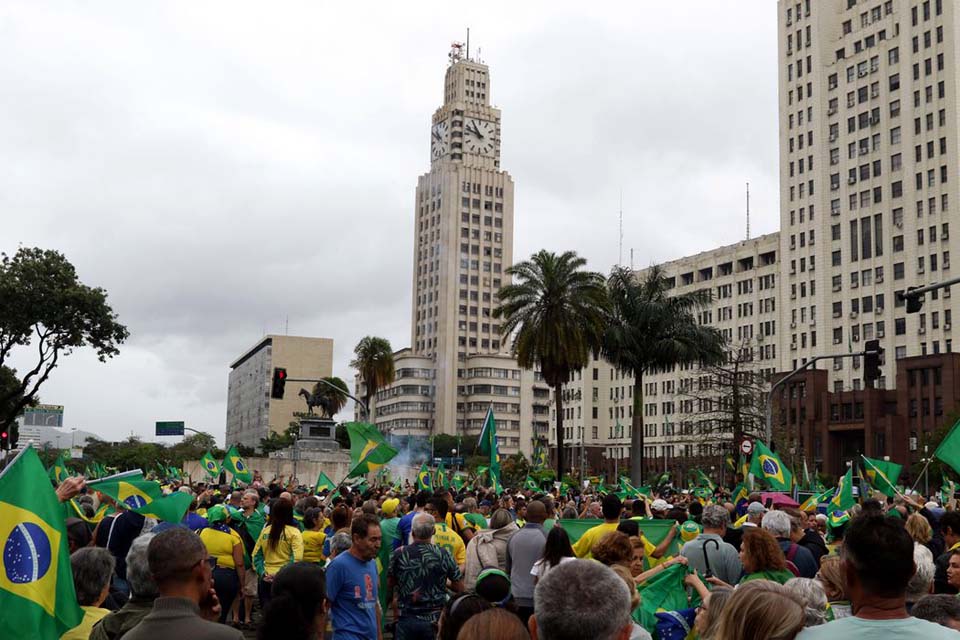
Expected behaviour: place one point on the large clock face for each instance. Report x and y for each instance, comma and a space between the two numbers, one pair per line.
479, 136
438, 140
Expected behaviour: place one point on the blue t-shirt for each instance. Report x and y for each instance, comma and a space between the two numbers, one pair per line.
352, 590
194, 521
403, 529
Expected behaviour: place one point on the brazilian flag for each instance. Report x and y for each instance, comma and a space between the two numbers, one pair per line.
323, 482
145, 497
59, 472
424, 479
37, 597
210, 465
368, 450
766, 465
531, 484
233, 463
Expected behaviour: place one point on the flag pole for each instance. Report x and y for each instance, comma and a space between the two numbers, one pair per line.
920, 475
884, 476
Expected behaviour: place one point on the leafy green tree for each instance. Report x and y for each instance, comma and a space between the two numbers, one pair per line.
374, 361
556, 312
514, 470
651, 329
46, 307
276, 441
332, 395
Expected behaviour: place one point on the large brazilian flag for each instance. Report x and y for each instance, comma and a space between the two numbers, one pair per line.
37, 598
368, 450
653, 530
233, 463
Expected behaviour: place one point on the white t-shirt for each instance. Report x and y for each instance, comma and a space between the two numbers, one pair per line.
540, 568
854, 628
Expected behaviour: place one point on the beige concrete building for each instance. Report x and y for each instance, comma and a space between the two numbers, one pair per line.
463, 243
679, 404
251, 412
868, 148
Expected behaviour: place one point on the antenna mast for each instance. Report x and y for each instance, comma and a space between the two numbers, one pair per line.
748, 211
620, 260
468, 44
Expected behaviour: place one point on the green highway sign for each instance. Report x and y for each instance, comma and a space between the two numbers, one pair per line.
170, 428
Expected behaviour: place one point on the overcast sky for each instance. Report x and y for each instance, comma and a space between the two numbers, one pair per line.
221, 167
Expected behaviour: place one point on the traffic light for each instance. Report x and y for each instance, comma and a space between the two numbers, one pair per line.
279, 382
4, 440
872, 353
914, 302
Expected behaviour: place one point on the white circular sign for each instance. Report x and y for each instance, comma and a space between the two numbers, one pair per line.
746, 447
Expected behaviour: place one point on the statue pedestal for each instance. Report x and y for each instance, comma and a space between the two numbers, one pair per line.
317, 434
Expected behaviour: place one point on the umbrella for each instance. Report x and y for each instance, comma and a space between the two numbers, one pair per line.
779, 499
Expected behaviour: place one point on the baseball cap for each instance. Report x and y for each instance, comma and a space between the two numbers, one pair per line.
659, 505
389, 506
755, 508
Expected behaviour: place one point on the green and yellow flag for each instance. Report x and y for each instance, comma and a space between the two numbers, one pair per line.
531, 484
210, 465
842, 500
37, 597
949, 449
145, 497
324, 483
59, 472
368, 450
663, 592
766, 466
488, 444
703, 480
233, 463
424, 478
882, 475
442, 480
76, 511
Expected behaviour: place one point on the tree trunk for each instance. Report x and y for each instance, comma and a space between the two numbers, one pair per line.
558, 395
637, 470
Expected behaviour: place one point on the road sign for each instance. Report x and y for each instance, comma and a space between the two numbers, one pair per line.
43, 415
746, 447
169, 428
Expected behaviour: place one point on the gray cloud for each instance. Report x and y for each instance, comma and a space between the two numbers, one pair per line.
221, 168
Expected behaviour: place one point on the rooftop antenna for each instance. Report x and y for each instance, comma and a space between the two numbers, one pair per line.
631, 258
620, 260
468, 44
748, 211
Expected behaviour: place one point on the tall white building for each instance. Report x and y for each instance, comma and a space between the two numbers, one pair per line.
457, 365
868, 174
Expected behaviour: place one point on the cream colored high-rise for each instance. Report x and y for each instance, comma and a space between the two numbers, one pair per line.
457, 365
681, 406
868, 176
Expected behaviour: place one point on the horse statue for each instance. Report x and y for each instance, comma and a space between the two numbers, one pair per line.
313, 400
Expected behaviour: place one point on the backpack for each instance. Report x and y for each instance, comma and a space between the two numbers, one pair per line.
485, 550
790, 555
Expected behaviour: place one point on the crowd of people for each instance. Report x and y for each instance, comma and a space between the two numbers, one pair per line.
275, 560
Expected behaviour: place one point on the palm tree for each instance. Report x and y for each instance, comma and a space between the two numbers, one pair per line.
332, 393
556, 312
374, 361
651, 329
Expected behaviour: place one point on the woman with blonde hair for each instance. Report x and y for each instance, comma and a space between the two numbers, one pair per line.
761, 609
834, 583
920, 530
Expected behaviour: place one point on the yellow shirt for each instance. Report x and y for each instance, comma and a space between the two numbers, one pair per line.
444, 538
592, 536
220, 545
313, 545
91, 616
289, 549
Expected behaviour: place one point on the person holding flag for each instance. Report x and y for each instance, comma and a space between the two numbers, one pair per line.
487, 444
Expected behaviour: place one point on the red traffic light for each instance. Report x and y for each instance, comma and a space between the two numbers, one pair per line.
281, 373
3, 435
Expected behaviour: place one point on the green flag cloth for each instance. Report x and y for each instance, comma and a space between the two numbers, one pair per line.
488, 443
949, 449
323, 482
424, 479
811, 503
882, 475
766, 465
530, 484
842, 500
368, 450
442, 480
210, 465
233, 463
37, 596
98, 470
663, 592
458, 481
59, 472
144, 497
703, 479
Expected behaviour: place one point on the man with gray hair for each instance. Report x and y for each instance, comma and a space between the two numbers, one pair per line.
143, 591
92, 569
922, 581
709, 549
187, 605
418, 575
340, 543
780, 525
941, 608
581, 599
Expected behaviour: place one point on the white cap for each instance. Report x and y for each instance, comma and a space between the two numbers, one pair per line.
659, 505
